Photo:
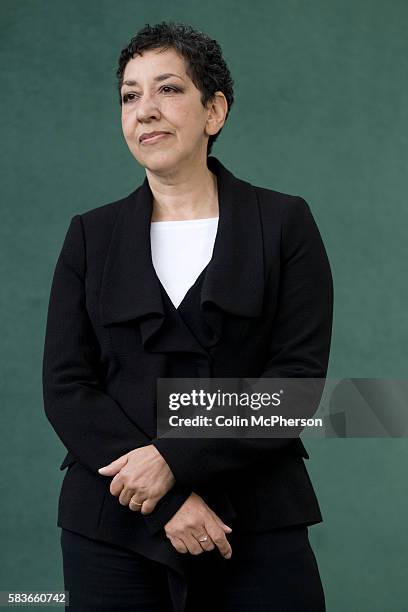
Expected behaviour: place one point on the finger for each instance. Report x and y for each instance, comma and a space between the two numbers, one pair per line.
149, 505
178, 544
224, 526
194, 547
135, 504
126, 495
114, 467
118, 483
116, 486
219, 538
206, 544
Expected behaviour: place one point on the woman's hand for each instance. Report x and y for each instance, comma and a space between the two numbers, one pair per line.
193, 521
141, 478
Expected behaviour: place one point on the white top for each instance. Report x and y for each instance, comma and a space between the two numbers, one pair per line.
180, 252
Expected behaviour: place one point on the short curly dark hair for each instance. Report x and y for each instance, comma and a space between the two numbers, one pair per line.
203, 56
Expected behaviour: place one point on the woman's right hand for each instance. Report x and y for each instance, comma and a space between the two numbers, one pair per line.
194, 520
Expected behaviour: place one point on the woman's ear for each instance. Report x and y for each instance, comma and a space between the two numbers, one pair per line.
218, 109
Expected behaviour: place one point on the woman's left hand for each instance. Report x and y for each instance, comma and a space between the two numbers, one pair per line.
141, 478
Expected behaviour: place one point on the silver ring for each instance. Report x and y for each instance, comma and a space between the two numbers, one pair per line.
204, 539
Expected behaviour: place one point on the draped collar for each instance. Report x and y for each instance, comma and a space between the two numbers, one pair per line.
232, 282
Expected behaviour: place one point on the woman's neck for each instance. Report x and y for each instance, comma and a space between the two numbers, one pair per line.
196, 198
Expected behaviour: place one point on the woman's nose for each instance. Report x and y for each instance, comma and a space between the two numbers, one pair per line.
147, 108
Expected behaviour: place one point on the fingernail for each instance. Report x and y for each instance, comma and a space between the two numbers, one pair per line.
228, 556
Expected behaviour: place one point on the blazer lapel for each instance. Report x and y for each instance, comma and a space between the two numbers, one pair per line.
233, 281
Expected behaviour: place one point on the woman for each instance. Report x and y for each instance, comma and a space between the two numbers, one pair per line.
194, 274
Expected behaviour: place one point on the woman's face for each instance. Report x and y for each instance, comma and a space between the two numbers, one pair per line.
158, 96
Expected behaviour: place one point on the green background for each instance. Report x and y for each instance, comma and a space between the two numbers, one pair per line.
320, 111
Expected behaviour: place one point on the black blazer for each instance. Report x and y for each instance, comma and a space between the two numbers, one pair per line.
261, 307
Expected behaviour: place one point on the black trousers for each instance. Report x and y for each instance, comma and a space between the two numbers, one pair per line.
274, 571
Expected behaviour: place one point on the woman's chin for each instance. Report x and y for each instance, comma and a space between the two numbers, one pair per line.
159, 161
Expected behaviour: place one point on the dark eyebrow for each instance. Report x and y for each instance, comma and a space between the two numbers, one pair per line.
161, 77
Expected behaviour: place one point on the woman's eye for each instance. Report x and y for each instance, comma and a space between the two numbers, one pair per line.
130, 97
127, 97
170, 88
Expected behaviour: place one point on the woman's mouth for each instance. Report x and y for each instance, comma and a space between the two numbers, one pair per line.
153, 139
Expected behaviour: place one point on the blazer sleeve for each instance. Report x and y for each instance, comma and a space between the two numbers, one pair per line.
91, 424
299, 347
